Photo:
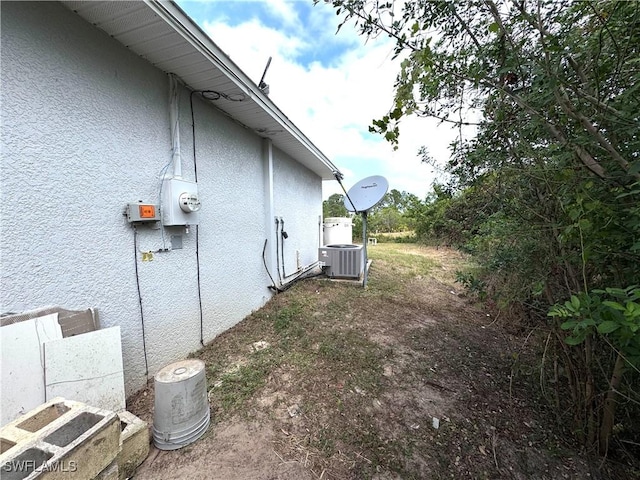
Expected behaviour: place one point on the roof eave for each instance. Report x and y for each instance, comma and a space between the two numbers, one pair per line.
173, 15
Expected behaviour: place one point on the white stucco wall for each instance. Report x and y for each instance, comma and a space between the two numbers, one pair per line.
85, 130
298, 201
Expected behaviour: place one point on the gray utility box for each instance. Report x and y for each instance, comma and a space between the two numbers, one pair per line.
342, 260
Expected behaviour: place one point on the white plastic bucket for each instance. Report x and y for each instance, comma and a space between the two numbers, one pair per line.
337, 230
181, 407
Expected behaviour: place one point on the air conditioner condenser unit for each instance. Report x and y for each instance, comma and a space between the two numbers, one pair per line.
342, 261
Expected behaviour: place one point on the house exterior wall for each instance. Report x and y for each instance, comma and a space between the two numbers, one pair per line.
301, 218
85, 130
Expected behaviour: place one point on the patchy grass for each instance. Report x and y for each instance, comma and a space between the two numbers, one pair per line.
402, 261
240, 382
352, 379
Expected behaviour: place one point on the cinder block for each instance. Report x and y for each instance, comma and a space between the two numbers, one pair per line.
134, 444
60, 439
38, 422
109, 473
5, 445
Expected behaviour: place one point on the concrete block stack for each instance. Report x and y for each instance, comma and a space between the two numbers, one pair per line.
64, 439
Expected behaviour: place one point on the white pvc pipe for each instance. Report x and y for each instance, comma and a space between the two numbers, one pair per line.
267, 153
174, 118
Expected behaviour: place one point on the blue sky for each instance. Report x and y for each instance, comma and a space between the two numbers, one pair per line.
330, 85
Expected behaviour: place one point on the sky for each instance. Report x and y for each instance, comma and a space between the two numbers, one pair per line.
331, 85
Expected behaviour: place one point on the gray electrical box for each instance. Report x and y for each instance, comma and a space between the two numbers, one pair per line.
143, 212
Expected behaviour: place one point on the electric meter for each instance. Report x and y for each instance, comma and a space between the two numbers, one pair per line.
189, 202
180, 202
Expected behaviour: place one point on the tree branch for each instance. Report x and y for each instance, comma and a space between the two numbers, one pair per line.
427, 113
600, 104
565, 103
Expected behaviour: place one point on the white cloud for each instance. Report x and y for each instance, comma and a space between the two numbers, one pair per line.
285, 11
334, 105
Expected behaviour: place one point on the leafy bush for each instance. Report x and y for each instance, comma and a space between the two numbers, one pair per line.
546, 195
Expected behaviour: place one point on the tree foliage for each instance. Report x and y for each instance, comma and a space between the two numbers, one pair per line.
334, 207
392, 214
547, 193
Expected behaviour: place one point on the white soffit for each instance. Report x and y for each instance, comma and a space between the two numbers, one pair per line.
164, 35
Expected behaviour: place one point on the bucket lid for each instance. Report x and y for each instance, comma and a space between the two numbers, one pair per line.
179, 371
338, 220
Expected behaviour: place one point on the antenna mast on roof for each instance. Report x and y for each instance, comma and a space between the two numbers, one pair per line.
264, 88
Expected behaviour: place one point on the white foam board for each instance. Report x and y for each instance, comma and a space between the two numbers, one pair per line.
87, 368
22, 384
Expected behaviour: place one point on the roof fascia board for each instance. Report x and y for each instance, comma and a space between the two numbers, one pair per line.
174, 16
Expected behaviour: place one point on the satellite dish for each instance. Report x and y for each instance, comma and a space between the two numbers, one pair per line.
360, 198
365, 194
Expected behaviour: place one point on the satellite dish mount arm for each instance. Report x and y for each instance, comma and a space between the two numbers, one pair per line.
338, 177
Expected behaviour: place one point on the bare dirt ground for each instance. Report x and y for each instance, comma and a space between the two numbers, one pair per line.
406, 379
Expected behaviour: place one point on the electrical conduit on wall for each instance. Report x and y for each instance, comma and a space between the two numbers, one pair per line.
268, 250
271, 252
174, 118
